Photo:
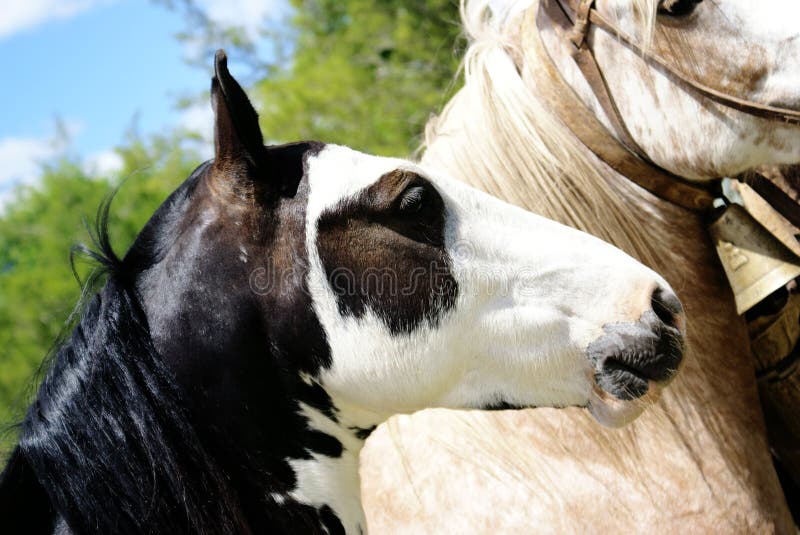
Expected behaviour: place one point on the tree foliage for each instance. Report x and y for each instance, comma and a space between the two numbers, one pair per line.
366, 74
356, 72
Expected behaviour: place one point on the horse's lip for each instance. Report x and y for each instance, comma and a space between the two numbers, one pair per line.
629, 359
611, 411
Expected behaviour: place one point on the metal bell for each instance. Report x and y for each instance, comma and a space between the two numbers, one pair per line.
755, 262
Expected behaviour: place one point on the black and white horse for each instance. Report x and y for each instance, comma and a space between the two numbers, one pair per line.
287, 299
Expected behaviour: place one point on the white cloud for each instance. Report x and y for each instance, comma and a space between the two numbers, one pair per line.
22, 158
248, 14
20, 162
21, 15
199, 118
104, 164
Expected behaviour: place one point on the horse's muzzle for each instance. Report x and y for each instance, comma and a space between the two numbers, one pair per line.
634, 360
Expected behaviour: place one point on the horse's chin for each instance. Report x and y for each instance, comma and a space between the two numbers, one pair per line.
611, 411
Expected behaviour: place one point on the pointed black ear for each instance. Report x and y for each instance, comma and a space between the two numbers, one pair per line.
237, 136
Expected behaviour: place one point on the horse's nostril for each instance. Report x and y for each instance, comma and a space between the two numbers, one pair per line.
632, 355
666, 306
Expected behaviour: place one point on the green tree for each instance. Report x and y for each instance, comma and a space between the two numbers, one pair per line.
366, 74
363, 73
37, 230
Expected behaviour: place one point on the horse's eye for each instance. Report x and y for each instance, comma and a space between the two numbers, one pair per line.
677, 8
412, 199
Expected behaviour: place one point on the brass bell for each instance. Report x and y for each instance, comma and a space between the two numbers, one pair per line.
755, 262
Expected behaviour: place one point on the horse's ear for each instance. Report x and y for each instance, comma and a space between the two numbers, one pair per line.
237, 136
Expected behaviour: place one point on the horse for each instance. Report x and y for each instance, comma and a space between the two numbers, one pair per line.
699, 462
283, 302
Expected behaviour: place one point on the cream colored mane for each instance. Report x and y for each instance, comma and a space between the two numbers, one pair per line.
518, 147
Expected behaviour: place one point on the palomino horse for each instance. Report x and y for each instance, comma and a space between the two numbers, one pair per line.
283, 302
700, 462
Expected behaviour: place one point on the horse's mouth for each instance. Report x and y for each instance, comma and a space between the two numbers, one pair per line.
628, 379
611, 411
622, 388
633, 362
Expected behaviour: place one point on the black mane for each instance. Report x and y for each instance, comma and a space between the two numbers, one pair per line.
108, 424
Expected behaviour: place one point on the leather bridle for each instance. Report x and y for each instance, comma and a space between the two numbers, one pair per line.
586, 14
774, 337
623, 154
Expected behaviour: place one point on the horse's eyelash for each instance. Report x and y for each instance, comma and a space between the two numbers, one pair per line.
412, 198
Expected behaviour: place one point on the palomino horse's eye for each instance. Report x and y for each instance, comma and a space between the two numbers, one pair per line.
411, 201
677, 8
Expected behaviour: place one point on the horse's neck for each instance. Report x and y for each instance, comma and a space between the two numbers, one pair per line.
303, 461
289, 449
718, 372
296, 464
326, 477
591, 197
606, 204
494, 136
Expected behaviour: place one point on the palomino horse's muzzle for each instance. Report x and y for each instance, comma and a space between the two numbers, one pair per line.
636, 360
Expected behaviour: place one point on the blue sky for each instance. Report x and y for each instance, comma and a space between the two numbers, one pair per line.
95, 65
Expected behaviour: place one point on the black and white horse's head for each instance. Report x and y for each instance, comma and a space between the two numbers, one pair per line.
396, 289
433, 294
291, 298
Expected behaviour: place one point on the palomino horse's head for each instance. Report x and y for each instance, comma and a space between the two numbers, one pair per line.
395, 289
748, 50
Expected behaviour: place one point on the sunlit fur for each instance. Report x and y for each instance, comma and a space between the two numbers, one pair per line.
697, 464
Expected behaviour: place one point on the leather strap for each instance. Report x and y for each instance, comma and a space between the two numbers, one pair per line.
621, 156
636, 165
586, 62
782, 201
764, 111
581, 28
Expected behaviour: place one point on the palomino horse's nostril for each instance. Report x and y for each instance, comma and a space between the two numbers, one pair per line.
666, 306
